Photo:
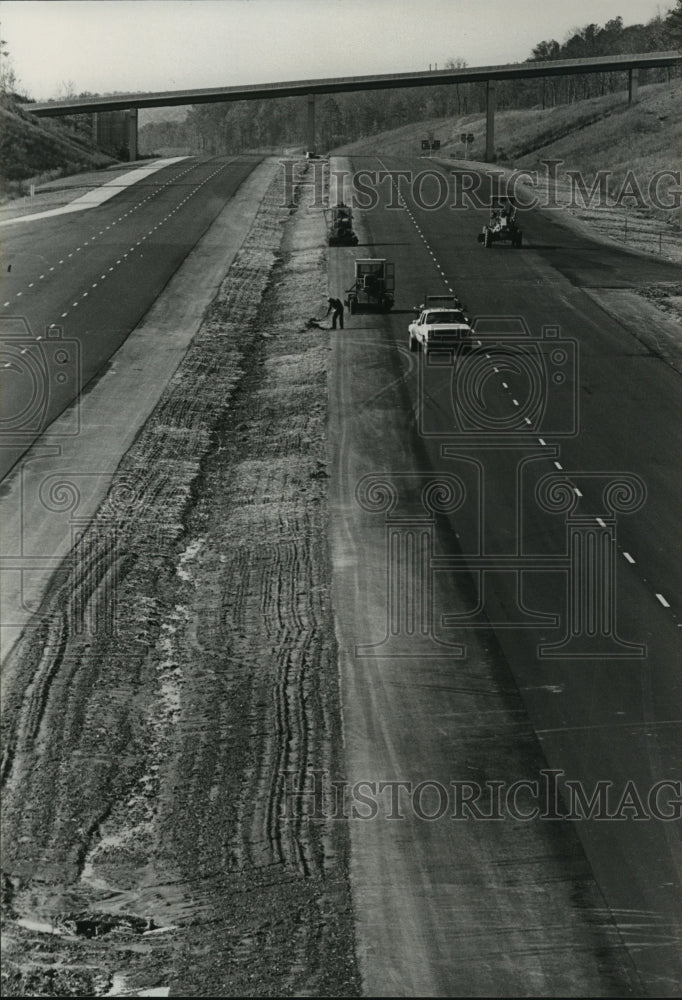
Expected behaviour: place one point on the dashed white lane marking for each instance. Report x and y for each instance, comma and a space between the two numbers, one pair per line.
527, 419
577, 491
504, 385
601, 523
542, 442
558, 465
629, 558
139, 242
515, 402
663, 601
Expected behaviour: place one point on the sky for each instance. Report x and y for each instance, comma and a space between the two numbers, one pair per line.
100, 46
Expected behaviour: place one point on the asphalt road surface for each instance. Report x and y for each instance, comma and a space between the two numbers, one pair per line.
500, 624
74, 286
489, 631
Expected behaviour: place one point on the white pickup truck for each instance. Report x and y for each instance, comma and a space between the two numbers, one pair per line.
440, 325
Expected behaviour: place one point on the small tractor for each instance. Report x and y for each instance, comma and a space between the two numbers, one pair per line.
373, 287
340, 226
502, 225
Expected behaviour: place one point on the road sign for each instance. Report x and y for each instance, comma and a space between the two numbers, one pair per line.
466, 138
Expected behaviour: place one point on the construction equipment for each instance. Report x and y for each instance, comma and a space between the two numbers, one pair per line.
373, 287
502, 225
339, 219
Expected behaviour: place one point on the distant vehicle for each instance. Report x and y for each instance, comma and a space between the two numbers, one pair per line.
502, 225
441, 323
339, 219
441, 302
374, 285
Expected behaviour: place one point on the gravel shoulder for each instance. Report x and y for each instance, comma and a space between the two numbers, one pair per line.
183, 685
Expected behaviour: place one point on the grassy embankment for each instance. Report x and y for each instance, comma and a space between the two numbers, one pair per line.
37, 150
604, 133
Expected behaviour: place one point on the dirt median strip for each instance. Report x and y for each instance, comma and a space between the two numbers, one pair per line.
111, 413
183, 683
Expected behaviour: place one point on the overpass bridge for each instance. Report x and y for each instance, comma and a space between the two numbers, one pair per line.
308, 89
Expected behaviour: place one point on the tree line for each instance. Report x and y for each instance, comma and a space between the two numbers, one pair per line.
244, 125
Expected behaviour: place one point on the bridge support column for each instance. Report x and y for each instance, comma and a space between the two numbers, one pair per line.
633, 85
310, 128
490, 121
132, 134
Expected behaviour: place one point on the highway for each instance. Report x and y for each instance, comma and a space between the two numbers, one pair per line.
489, 690
455, 577
74, 286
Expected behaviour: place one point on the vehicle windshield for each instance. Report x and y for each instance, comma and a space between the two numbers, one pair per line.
453, 316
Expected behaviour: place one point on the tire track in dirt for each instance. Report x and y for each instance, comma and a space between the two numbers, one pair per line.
149, 770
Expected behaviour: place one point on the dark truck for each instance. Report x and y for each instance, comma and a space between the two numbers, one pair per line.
502, 225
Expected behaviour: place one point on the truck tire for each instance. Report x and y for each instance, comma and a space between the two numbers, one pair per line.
352, 306
414, 343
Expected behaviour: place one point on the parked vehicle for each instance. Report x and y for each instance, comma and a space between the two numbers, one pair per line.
374, 285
